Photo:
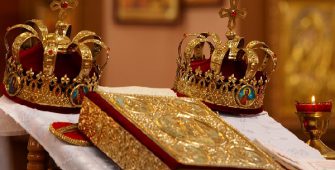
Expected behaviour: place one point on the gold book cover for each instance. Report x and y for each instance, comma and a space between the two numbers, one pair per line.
147, 132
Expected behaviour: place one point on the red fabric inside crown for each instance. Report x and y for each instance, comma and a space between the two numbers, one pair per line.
69, 63
32, 58
203, 64
228, 67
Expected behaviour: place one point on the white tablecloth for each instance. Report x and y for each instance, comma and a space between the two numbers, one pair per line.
260, 127
67, 157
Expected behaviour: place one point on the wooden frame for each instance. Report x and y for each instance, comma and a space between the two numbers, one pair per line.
201, 3
146, 12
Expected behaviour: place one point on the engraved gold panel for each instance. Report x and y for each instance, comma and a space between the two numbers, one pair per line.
184, 128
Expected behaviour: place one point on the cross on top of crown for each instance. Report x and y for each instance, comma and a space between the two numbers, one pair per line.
64, 6
232, 13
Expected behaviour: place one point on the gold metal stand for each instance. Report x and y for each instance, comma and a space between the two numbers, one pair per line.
315, 124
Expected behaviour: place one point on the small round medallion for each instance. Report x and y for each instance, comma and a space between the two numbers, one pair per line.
245, 96
78, 93
13, 84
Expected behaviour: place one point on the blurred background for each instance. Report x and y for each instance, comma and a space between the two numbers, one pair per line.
144, 35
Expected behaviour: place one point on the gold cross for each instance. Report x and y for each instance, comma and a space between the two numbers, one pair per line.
232, 13
63, 6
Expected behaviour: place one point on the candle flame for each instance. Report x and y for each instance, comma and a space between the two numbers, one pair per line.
313, 99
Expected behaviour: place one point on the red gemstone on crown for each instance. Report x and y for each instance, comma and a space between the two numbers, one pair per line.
64, 4
233, 13
50, 52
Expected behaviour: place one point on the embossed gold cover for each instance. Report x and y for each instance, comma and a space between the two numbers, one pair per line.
146, 132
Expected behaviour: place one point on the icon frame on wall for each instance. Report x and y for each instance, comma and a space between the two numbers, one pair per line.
202, 3
146, 12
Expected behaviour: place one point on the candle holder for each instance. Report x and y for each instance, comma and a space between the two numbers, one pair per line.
315, 124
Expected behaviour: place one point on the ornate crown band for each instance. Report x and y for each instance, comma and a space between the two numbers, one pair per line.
233, 78
50, 71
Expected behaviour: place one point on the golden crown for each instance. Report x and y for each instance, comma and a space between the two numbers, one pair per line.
233, 78
50, 71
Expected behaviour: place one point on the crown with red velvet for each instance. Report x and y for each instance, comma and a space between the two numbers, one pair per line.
49, 71
233, 77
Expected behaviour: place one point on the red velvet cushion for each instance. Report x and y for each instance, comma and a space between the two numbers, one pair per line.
76, 134
69, 133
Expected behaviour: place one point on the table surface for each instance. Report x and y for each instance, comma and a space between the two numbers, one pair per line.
261, 127
10, 127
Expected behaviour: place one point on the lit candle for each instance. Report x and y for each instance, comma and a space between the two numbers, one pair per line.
314, 106
313, 99
313, 103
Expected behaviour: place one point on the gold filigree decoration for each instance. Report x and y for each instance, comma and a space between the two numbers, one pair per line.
232, 13
184, 128
63, 6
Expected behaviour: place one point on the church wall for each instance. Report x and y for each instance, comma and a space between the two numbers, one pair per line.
143, 55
